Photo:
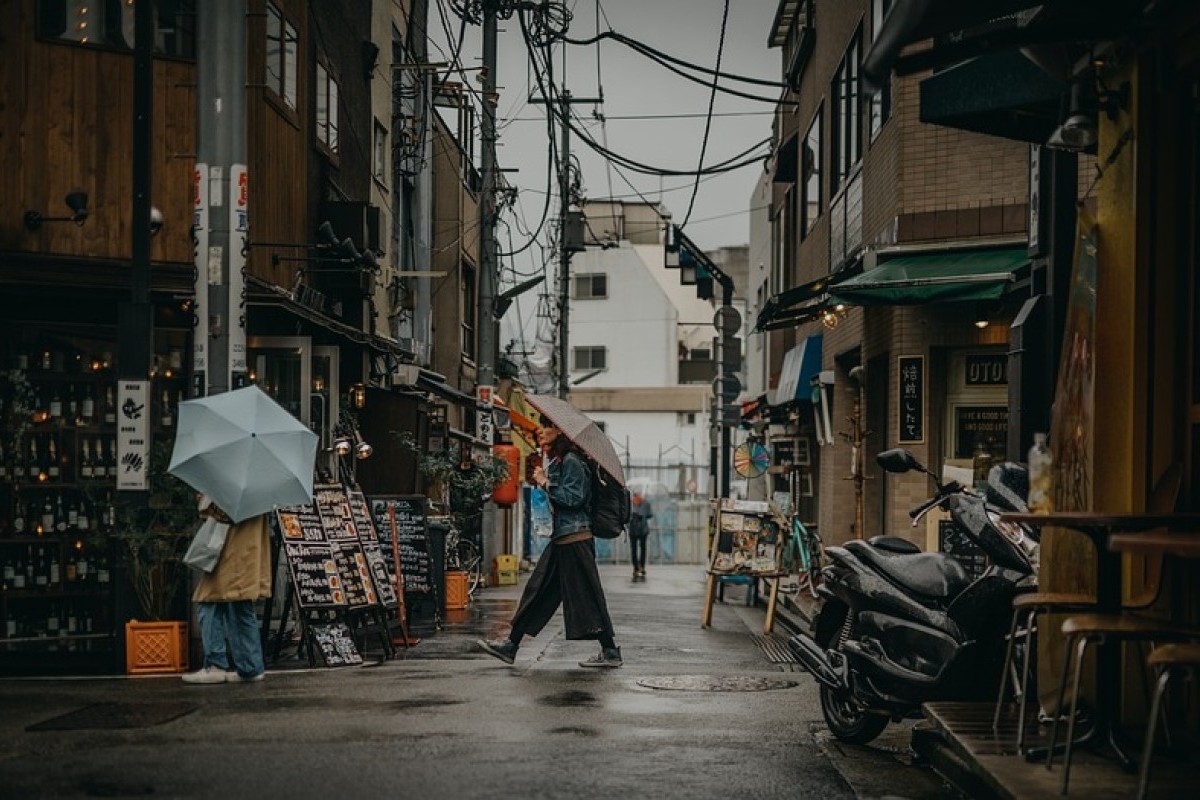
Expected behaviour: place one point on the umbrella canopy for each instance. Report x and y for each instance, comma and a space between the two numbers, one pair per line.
244, 451
581, 430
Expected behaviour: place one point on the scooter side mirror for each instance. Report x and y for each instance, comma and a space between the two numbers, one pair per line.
899, 460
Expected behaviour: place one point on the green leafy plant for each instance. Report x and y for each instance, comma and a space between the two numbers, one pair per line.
459, 487
153, 534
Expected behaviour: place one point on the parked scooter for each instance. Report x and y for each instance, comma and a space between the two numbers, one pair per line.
899, 627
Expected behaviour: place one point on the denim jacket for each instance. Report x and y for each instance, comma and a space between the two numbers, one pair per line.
570, 491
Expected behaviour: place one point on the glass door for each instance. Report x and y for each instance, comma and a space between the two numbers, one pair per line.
282, 368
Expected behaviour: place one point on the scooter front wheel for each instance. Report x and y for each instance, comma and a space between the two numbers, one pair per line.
848, 721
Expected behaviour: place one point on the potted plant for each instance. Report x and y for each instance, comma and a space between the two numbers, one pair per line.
152, 535
458, 488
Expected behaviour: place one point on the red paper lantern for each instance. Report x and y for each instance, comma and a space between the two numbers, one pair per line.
508, 491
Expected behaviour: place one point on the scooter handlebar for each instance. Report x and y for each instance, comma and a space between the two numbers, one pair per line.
942, 493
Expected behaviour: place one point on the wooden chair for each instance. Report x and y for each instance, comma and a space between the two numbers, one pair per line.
1037, 604
1168, 660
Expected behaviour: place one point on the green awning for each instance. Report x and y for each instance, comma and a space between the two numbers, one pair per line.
932, 278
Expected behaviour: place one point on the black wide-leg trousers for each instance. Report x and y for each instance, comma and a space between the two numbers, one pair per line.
565, 574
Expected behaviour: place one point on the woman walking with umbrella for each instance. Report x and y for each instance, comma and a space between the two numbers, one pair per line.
566, 573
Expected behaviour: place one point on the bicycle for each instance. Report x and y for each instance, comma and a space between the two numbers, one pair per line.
462, 555
809, 553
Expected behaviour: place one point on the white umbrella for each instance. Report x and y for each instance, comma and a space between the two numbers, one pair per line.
244, 451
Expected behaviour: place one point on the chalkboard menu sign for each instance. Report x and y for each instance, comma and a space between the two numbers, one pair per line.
912, 399
335, 644
401, 520
311, 564
334, 507
955, 542
300, 523
385, 588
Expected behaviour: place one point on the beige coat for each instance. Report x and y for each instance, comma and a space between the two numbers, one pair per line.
244, 570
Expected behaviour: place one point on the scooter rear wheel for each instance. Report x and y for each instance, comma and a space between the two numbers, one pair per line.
844, 717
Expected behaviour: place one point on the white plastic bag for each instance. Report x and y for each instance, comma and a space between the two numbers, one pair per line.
205, 550
540, 515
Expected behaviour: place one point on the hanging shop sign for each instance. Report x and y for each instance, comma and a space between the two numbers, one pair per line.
911, 411
133, 435
987, 370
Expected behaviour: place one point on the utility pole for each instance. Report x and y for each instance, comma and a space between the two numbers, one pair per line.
222, 193
570, 233
488, 273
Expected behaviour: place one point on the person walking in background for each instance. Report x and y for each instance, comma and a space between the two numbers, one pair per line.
566, 572
639, 532
225, 601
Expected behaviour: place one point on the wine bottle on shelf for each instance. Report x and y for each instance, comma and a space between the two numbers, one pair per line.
10, 573
32, 465
52, 620
56, 405
52, 465
103, 575
168, 418
73, 514
87, 407
83, 521
72, 404
85, 460
39, 407
19, 576
72, 620
110, 406
72, 569
60, 516
18, 467
10, 626
112, 457
47, 517
82, 568
46, 362
42, 575
54, 572
19, 521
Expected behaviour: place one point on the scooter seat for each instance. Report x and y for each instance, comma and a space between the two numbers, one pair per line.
935, 576
893, 544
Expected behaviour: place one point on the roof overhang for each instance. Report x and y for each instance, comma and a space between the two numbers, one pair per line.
978, 275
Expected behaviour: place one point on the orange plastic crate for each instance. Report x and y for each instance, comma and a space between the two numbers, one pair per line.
155, 647
456, 590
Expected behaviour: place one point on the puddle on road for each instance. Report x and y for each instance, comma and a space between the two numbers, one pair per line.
570, 698
576, 730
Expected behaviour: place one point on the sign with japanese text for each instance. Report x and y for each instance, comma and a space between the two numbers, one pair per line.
484, 425
199, 261
239, 227
133, 434
911, 406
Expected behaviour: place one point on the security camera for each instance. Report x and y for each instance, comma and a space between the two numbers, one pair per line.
156, 221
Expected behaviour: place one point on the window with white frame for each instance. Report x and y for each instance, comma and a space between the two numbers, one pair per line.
591, 286
379, 152
327, 108
845, 127
590, 358
881, 101
283, 47
810, 176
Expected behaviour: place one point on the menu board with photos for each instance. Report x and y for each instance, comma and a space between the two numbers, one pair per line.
385, 588
400, 522
311, 565
750, 538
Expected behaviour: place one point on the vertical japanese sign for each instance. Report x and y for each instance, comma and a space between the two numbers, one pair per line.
239, 230
200, 287
911, 410
484, 423
133, 434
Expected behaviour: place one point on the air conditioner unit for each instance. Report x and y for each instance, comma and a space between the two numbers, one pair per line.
406, 375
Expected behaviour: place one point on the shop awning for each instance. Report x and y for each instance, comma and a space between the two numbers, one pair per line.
794, 306
800, 366
426, 381
933, 278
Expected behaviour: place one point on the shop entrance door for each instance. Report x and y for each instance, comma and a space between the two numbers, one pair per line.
282, 367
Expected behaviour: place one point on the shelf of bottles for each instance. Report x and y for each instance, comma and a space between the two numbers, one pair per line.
58, 471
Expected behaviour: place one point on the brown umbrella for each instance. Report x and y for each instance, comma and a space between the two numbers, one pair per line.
581, 430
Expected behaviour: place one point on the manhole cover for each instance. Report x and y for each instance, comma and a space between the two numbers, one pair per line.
716, 683
116, 715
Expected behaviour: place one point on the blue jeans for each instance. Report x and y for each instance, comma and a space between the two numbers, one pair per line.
237, 621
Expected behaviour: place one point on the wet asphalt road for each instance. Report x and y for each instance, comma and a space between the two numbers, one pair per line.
445, 721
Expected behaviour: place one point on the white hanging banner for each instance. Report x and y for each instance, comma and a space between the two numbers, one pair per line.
133, 435
239, 230
200, 287
484, 422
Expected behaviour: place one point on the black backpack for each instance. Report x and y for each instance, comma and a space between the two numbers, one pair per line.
610, 505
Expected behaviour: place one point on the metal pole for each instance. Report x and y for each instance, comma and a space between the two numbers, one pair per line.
135, 320
564, 273
488, 276
221, 152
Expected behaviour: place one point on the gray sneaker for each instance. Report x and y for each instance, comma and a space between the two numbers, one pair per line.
503, 649
607, 658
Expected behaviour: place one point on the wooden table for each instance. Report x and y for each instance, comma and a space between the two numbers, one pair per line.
1100, 527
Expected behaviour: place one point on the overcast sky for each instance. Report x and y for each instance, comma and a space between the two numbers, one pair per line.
671, 111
